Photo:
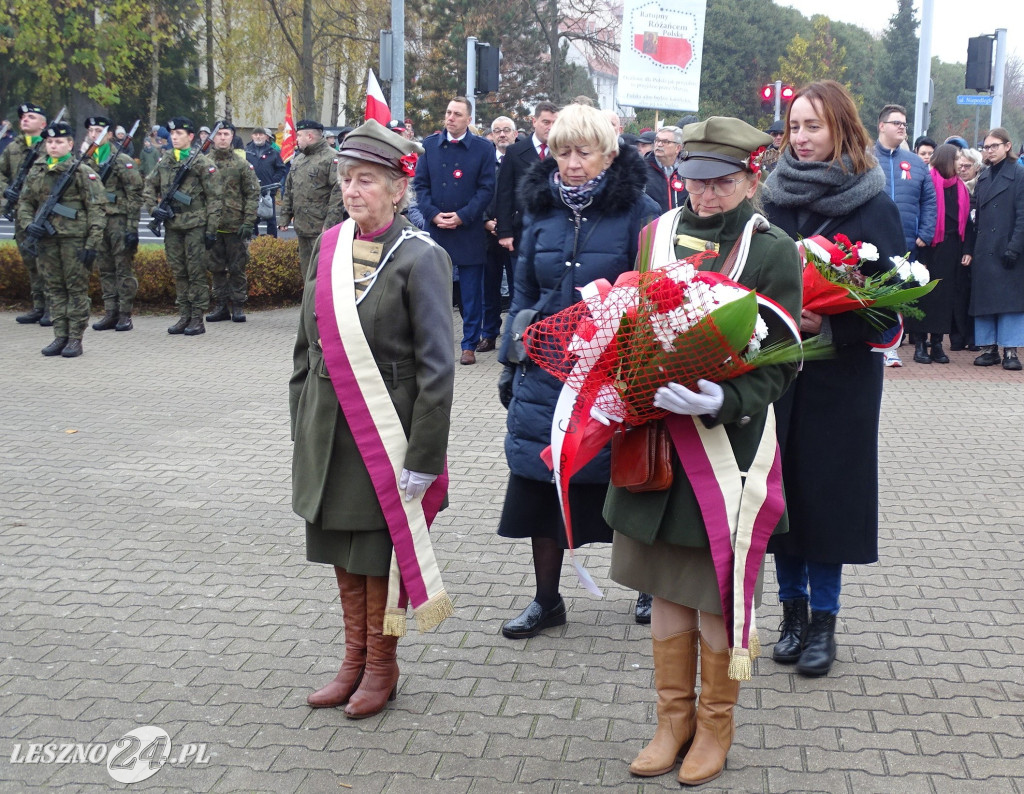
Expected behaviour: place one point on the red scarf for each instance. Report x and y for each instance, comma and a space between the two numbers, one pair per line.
963, 205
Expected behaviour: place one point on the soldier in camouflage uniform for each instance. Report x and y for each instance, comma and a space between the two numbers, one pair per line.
121, 236
240, 193
192, 231
32, 122
307, 191
66, 258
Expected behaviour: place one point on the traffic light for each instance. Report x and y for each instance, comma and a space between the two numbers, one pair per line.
767, 96
488, 58
787, 94
767, 93
979, 64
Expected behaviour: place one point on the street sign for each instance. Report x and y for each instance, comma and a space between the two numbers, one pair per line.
973, 99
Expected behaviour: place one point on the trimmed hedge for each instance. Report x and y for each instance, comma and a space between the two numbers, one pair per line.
273, 273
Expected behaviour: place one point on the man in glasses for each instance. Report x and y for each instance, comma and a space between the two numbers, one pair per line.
664, 184
908, 184
997, 272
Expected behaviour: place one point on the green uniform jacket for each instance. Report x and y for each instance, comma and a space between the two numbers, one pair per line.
407, 320
239, 189
10, 162
199, 184
85, 196
124, 190
773, 270
307, 191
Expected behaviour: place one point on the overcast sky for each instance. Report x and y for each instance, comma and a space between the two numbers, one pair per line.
953, 24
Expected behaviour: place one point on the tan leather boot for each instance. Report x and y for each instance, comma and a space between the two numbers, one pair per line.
675, 676
352, 588
718, 694
380, 679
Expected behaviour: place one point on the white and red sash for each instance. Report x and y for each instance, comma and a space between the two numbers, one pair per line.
379, 437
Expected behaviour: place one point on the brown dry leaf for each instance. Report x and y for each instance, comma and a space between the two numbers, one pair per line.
69, 431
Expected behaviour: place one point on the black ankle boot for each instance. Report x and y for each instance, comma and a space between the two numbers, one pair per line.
921, 353
195, 327
124, 322
937, 353
108, 321
791, 633
819, 646
237, 313
219, 314
179, 327
30, 317
56, 346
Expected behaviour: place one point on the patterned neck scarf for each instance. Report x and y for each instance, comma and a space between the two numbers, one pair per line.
576, 197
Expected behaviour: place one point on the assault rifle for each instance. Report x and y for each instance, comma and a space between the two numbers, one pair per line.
41, 225
13, 192
108, 167
164, 211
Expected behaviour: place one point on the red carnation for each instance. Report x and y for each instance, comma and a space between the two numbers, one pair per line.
665, 294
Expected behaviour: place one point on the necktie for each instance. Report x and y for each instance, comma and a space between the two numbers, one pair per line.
543, 151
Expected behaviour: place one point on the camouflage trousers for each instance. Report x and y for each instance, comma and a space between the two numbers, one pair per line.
36, 278
67, 284
186, 254
114, 263
227, 261
305, 252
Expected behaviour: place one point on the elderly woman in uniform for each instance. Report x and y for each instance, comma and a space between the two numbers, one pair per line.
368, 471
664, 539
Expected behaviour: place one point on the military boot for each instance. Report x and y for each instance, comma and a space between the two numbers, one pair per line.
195, 326
219, 314
30, 317
46, 321
72, 349
238, 312
108, 321
56, 346
178, 327
124, 322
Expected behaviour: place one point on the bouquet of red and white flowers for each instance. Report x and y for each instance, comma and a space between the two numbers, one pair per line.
834, 281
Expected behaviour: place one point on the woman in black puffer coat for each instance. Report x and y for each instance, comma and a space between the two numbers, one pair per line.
585, 206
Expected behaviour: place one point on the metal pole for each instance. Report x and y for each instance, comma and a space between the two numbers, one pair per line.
977, 122
398, 60
778, 100
924, 68
471, 77
997, 83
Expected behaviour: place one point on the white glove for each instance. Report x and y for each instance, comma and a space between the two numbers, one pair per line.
415, 483
600, 416
680, 400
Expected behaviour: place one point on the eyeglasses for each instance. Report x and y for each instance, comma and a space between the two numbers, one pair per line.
498, 130
723, 188
991, 147
901, 124
664, 141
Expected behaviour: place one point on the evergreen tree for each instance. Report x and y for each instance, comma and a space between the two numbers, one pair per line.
897, 79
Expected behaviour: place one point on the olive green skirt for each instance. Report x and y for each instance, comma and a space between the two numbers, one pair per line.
366, 553
679, 574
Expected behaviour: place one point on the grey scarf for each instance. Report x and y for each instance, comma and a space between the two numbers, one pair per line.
823, 188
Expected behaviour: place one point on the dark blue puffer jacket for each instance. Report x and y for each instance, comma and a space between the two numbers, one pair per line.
913, 196
599, 242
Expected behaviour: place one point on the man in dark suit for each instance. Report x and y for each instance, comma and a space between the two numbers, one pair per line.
499, 260
454, 183
518, 159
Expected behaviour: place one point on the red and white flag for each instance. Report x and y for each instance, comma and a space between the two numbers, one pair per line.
376, 105
288, 140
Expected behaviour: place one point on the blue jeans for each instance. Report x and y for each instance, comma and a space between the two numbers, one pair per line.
825, 579
1004, 330
471, 285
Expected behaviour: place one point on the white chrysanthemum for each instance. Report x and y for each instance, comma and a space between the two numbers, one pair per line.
815, 250
868, 252
919, 273
680, 272
902, 267
760, 329
668, 325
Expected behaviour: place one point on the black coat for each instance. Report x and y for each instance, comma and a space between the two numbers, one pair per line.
669, 192
999, 219
828, 419
508, 209
266, 162
607, 231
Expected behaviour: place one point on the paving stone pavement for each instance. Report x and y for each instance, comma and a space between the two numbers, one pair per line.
154, 574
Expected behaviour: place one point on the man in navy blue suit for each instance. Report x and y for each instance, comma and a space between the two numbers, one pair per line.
454, 184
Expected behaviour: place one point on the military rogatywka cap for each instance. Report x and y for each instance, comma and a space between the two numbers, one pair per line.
59, 129
375, 143
719, 146
97, 121
28, 107
181, 123
309, 124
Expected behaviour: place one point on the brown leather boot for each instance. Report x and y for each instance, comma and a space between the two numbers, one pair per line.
352, 588
718, 694
380, 679
675, 677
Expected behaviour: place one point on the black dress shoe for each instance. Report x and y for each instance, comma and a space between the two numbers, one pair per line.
642, 613
533, 620
73, 349
29, 317
792, 631
56, 346
819, 646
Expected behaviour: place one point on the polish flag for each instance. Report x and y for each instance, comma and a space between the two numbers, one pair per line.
288, 140
376, 105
